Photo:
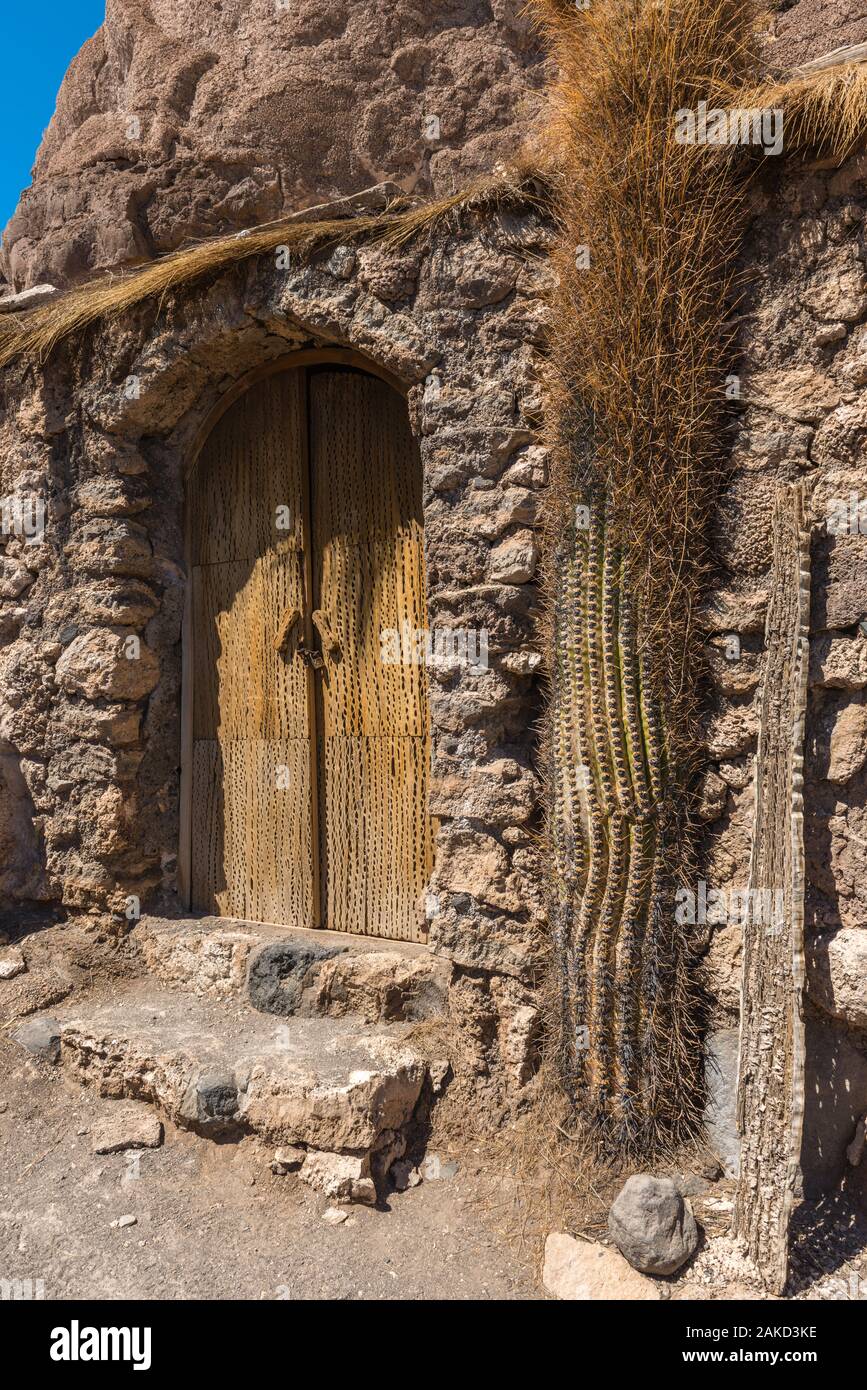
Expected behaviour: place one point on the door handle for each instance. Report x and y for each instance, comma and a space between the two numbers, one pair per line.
328, 637
284, 630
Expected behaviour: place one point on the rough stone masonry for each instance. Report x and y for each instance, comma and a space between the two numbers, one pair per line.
158, 139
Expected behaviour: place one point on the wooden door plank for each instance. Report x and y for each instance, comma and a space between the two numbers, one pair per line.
253, 852
251, 830
366, 514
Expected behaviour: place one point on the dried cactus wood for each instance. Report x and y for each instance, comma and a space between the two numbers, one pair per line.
771, 1071
310, 750
647, 227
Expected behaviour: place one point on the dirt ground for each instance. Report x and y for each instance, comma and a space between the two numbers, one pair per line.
212, 1221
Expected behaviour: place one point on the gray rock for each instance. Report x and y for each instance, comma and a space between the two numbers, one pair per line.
41, 1036
721, 1083
28, 299
218, 1096
434, 1168
275, 976
652, 1226
211, 1103
12, 963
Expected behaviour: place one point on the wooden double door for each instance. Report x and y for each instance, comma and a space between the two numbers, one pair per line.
307, 739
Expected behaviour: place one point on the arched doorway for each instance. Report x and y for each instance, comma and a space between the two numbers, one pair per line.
306, 724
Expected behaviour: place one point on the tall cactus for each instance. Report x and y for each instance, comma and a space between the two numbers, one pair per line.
647, 227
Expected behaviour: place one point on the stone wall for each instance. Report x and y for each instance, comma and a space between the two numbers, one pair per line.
802, 414
90, 738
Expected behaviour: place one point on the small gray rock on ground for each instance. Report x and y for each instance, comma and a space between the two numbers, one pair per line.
433, 1168
41, 1036
652, 1226
126, 1125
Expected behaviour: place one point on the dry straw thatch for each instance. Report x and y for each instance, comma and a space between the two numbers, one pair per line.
826, 109
37, 333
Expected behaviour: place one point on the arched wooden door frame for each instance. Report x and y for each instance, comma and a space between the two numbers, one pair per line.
299, 359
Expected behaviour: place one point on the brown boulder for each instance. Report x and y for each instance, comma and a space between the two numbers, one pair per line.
181, 120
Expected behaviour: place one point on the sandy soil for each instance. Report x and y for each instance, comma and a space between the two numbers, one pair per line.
212, 1221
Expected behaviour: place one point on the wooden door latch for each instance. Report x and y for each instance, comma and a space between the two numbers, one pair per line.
326, 632
284, 631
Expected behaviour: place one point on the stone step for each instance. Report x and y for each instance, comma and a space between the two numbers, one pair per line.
335, 1096
296, 972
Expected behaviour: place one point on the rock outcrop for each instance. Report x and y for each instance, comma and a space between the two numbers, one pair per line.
180, 120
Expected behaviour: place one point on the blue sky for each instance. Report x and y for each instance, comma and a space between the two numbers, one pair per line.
39, 41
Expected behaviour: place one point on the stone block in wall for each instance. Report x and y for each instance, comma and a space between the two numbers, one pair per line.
107, 663
491, 511
480, 939
505, 612
454, 455
486, 405
838, 287
116, 601
847, 745
472, 274
797, 393
728, 610
514, 559
529, 468
470, 862
732, 670
388, 276
732, 730
116, 725
838, 663
108, 496
837, 974
128, 555
836, 1098
500, 791
713, 795
840, 581
766, 441
839, 440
